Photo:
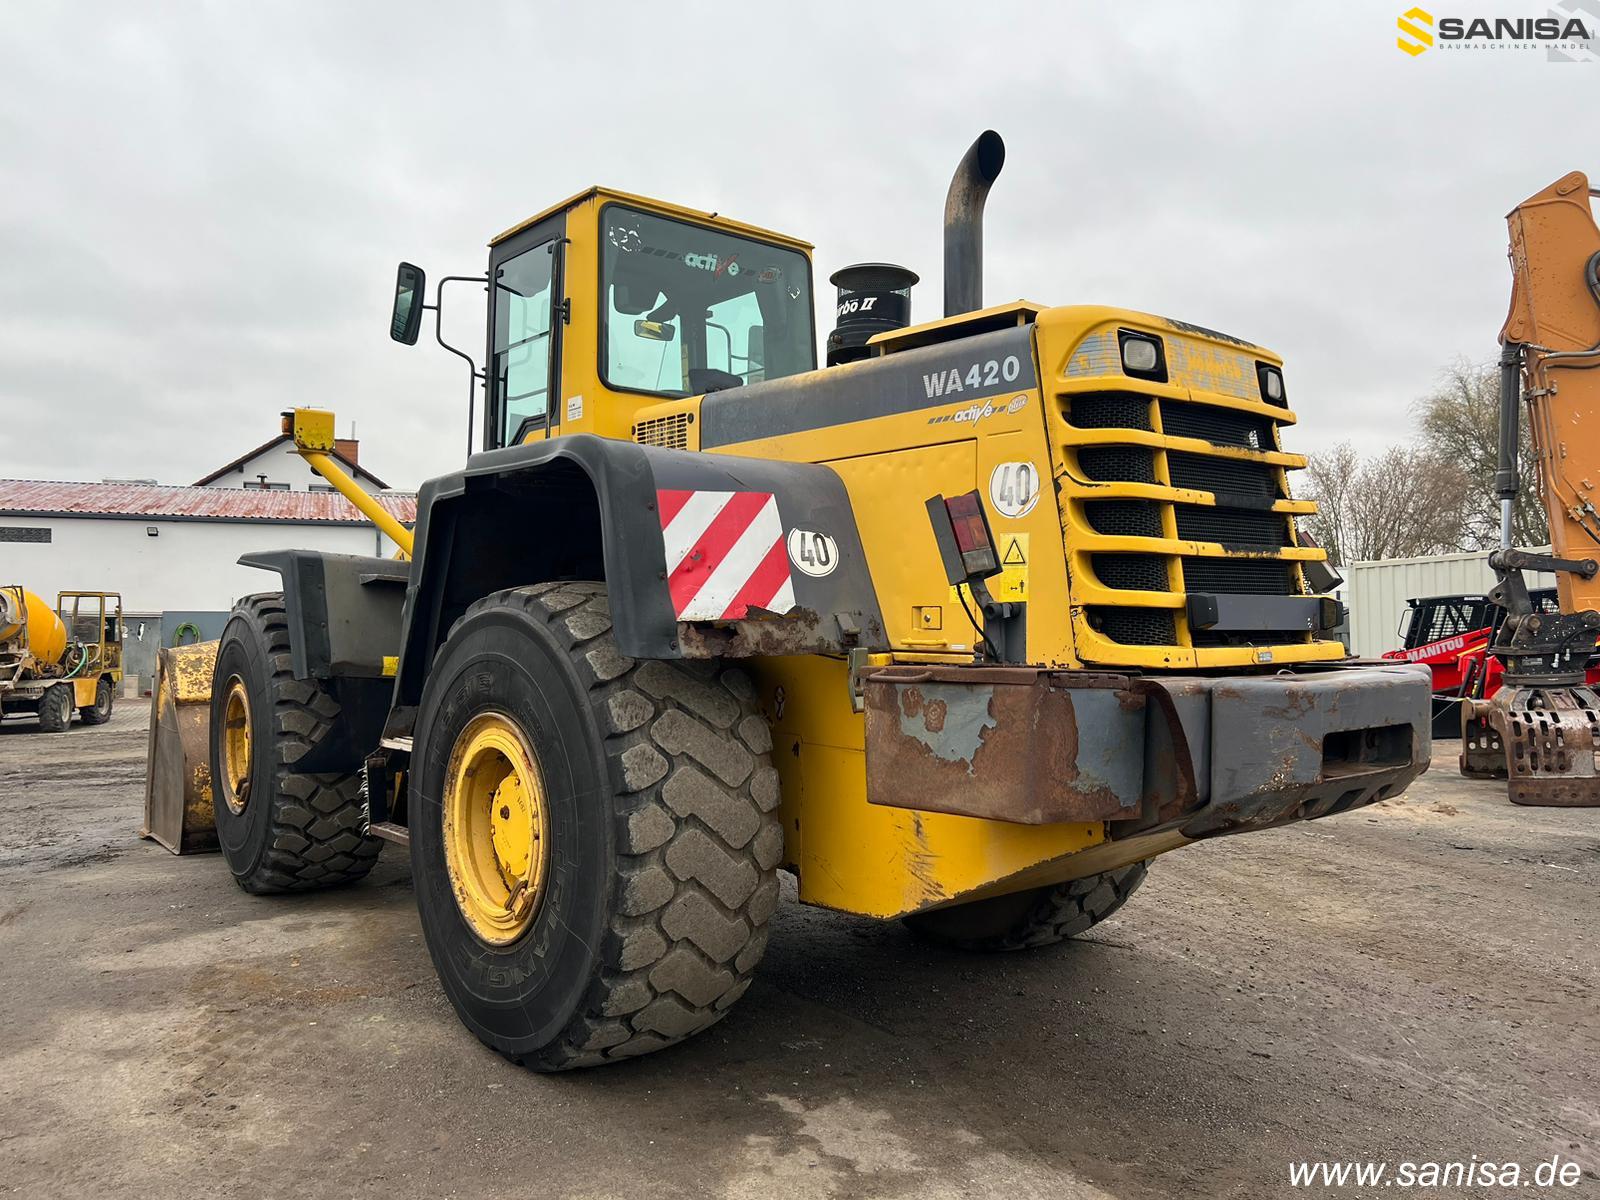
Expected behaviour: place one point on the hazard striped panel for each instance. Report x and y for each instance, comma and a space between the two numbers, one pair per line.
725, 554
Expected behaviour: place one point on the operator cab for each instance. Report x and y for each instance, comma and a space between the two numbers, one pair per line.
608, 303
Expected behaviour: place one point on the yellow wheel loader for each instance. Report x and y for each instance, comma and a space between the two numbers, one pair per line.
61, 660
1541, 730
964, 627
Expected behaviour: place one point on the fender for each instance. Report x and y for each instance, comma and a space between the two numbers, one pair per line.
344, 618
765, 556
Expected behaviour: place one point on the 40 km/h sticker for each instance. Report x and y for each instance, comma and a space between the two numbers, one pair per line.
1014, 488
814, 553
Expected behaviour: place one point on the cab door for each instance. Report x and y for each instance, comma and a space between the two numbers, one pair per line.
527, 311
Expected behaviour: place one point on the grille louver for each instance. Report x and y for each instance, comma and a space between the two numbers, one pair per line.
671, 431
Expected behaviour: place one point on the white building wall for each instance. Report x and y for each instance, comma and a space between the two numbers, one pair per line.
280, 464
186, 565
1377, 591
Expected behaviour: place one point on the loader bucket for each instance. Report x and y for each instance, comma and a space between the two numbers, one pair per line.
177, 789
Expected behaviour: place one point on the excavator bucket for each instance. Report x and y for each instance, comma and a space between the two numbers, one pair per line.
177, 790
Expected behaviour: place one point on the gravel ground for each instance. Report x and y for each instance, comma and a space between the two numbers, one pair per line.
1415, 981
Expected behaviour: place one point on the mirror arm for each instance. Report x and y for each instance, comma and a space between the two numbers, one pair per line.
474, 375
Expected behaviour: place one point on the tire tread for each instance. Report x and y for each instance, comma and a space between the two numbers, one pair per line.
1057, 913
687, 921
318, 829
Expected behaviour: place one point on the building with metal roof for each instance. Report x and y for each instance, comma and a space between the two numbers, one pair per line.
176, 550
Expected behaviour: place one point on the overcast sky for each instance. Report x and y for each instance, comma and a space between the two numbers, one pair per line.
201, 205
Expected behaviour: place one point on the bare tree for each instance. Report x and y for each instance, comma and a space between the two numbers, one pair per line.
1402, 503
1459, 422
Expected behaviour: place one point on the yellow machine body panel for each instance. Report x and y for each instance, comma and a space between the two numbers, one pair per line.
864, 858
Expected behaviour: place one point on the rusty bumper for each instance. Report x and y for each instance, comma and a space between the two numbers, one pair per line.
1199, 755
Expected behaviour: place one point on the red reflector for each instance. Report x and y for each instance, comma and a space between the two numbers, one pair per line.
966, 516
971, 528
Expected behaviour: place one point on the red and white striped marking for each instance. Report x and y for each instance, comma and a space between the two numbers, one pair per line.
725, 554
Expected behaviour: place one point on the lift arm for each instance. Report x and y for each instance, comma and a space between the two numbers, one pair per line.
311, 430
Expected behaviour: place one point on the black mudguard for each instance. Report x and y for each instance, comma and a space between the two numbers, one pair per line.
344, 611
585, 507
344, 618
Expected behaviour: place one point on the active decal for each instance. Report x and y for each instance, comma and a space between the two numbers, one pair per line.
979, 412
574, 408
813, 552
1014, 488
724, 553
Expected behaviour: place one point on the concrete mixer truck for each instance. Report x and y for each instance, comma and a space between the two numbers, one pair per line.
57, 660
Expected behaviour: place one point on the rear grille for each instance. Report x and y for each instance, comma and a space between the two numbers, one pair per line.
1228, 476
1110, 410
1118, 464
1219, 426
1124, 518
1132, 572
1232, 526
671, 431
1134, 626
1242, 520
1239, 577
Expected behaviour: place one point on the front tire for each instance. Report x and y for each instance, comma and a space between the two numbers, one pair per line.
55, 708
652, 800
1038, 917
280, 830
100, 711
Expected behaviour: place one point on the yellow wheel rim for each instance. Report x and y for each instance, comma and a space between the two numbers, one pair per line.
236, 746
496, 828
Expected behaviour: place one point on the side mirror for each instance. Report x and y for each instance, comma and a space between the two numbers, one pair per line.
654, 331
410, 288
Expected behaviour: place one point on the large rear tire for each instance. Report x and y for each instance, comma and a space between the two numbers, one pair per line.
99, 712
280, 830
1039, 917
646, 792
55, 708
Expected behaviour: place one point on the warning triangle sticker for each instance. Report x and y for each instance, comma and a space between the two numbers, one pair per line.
1014, 556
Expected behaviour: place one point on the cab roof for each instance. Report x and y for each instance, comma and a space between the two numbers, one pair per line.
660, 207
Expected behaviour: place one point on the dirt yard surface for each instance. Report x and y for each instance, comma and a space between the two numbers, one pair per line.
1413, 982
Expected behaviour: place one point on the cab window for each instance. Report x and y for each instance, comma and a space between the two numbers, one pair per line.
522, 339
690, 310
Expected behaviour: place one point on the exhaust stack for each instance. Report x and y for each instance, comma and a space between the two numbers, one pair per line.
963, 223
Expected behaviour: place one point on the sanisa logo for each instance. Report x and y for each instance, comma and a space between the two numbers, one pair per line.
1566, 34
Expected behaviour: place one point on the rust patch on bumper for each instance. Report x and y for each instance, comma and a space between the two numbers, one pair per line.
1005, 743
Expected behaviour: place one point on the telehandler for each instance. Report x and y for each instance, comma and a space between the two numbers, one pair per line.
964, 628
1541, 730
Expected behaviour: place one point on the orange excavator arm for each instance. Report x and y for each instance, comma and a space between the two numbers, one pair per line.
1555, 321
1541, 731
